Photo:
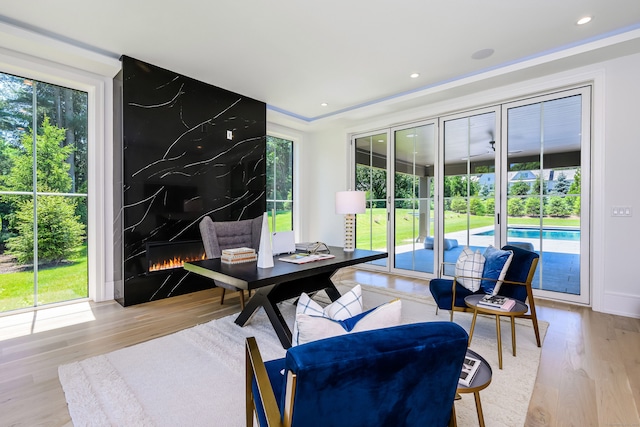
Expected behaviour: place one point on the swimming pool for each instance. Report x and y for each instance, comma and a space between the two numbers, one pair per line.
534, 233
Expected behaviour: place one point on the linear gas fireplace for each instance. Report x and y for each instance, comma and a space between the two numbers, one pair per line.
169, 255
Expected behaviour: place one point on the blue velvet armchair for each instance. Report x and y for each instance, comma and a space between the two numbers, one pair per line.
399, 376
450, 295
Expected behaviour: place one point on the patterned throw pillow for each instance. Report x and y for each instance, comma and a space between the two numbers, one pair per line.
470, 264
311, 328
496, 265
348, 305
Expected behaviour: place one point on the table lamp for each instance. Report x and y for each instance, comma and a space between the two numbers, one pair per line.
350, 203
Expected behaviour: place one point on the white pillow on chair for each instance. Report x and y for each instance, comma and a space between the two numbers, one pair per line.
312, 328
471, 265
345, 307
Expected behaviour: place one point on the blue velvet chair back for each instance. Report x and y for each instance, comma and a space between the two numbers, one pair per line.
519, 271
399, 376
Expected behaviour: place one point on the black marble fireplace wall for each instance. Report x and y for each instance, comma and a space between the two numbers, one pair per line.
184, 150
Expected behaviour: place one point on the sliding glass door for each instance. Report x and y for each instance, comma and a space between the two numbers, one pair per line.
371, 177
413, 219
43, 193
547, 187
516, 173
471, 146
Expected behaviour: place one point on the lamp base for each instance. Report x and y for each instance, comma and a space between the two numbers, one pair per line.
349, 232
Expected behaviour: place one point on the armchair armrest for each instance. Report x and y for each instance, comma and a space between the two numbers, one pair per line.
443, 268
255, 369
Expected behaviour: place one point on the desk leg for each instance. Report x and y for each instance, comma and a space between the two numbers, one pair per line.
499, 334
476, 395
261, 299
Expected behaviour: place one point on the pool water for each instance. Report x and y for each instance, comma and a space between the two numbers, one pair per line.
534, 233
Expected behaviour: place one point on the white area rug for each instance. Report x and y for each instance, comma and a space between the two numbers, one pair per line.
195, 377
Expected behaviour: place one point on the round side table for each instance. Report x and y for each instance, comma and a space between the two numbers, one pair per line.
517, 310
481, 381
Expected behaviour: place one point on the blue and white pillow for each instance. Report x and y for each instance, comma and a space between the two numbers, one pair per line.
469, 268
348, 305
496, 265
311, 327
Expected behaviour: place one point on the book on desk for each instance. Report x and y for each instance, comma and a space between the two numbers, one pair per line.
303, 258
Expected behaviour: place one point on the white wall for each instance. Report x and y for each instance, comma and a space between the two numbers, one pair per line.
615, 152
619, 285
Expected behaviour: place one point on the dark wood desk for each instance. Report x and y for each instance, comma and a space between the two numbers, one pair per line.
281, 282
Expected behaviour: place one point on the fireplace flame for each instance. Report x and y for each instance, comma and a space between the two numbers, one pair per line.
175, 262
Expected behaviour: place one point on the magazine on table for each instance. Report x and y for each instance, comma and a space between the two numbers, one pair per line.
302, 258
469, 369
497, 301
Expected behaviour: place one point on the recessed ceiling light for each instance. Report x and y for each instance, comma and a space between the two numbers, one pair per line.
414, 75
584, 20
324, 104
482, 53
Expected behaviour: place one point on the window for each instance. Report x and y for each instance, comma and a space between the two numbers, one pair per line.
280, 183
43, 193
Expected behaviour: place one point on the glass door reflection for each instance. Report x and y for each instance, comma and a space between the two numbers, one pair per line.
413, 187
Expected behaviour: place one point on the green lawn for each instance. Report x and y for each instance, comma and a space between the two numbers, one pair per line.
372, 225
55, 284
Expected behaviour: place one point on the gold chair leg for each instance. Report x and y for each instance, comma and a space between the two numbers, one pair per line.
499, 334
513, 334
473, 325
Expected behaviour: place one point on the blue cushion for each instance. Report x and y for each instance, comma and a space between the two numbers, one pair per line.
403, 375
448, 243
496, 260
518, 272
441, 291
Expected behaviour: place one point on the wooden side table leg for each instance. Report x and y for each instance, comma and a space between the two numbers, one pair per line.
499, 334
476, 395
473, 325
513, 334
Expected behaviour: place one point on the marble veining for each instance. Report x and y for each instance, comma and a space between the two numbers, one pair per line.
188, 149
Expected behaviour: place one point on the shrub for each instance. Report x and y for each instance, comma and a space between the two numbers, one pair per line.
459, 205
476, 207
515, 207
59, 230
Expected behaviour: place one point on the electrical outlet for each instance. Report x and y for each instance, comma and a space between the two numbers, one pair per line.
230, 134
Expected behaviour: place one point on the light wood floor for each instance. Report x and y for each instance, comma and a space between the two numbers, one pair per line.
589, 371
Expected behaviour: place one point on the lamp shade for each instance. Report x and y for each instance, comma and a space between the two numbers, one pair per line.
350, 202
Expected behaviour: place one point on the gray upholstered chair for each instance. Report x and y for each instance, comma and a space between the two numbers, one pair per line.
217, 236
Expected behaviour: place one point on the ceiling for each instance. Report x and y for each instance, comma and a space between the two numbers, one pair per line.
295, 55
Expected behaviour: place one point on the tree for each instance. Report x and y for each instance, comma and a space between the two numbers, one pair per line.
562, 185
459, 205
59, 230
490, 206
519, 188
515, 207
558, 207
575, 189
52, 169
476, 206
374, 181
532, 206
536, 186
